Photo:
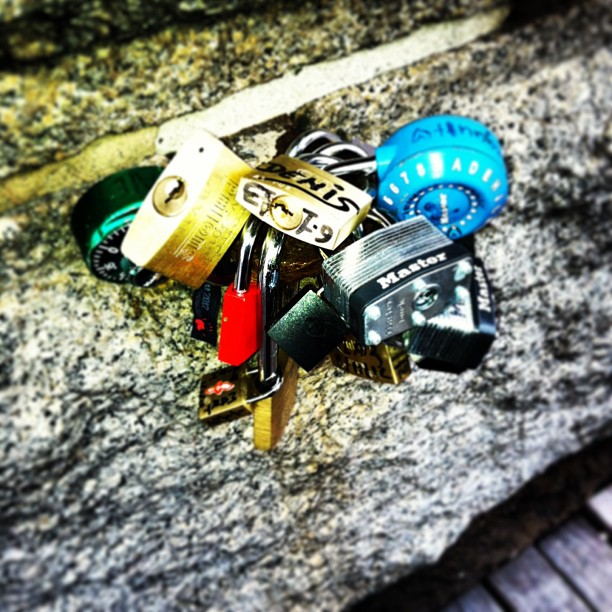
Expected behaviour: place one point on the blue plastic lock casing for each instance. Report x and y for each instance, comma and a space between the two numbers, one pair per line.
448, 168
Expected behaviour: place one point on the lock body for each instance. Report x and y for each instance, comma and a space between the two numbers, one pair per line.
447, 168
223, 391
241, 325
303, 201
460, 337
190, 218
381, 363
309, 329
271, 414
395, 278
101, 219
205, 303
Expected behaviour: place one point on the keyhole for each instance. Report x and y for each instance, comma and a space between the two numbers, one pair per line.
426, 297
175, 191
170, 195
286, 214
283, 208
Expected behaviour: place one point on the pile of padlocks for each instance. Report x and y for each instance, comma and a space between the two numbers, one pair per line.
335, 248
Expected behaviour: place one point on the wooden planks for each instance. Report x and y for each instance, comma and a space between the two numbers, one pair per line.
529, 583
476, 599
584, 559
601, 506
569, 570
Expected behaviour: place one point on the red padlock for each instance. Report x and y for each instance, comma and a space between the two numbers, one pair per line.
240, 334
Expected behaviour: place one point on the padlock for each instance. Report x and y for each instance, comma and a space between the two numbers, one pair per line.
380, 363
308, 329
101, 218
240, 334
190, 217
303, 201
447, 168
395, 278
277, 373
205, 303
226, 390
460, 337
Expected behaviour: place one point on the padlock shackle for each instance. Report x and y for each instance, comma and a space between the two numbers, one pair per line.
269, 272
342, 151
365, 166
242, 279
305, 142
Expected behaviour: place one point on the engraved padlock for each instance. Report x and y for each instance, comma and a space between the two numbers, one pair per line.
227, 390
277, 374
459, 337
308, 329
395, 278
190, 217
380, 363
240, 334
303, 201
447, 168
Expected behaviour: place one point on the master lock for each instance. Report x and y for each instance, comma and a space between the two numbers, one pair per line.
459, 337
101, 219
395, 278
241, 329
303, 201
190, 217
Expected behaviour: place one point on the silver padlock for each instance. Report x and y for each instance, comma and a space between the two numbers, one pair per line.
460, 337
396, 278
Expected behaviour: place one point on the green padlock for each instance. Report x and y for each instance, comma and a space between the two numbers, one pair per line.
101, 218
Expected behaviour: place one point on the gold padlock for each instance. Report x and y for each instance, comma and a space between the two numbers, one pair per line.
380, 363
190, 217
271, 414
303, 201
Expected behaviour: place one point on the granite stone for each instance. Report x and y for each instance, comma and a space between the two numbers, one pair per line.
38, 29
113, 494
52, 110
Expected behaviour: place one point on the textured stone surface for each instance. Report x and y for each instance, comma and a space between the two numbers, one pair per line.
51, 111
114, 496
34, 29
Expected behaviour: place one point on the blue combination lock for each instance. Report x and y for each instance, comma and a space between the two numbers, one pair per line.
449, 169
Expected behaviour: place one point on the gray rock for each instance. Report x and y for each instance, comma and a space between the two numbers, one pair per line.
50, 111
37, 29
114, 496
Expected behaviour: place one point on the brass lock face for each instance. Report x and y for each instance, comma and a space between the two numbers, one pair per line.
381, 363
303, 201
223, 391
271, 414
190, 217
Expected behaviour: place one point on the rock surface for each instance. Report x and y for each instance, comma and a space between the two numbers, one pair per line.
36, 29
114, 496
49, 111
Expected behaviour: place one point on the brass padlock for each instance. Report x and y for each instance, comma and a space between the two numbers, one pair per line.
277, 373
381, 363
190, 217
224, 391
303, 201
